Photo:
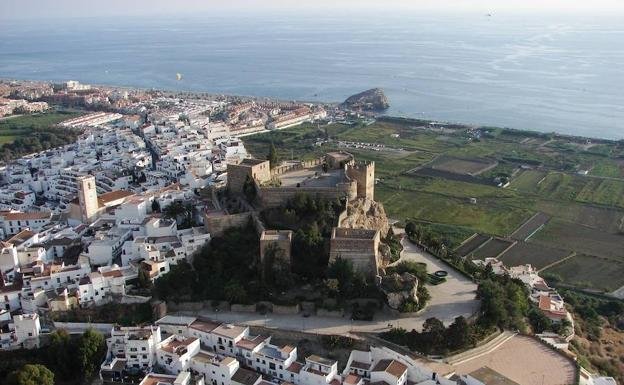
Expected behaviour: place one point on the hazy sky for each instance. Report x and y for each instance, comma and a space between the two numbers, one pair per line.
17, 9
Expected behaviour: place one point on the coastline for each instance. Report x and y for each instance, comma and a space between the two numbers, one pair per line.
334, 104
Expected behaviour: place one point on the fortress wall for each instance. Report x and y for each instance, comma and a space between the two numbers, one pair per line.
279, 196
279, 170
216, 225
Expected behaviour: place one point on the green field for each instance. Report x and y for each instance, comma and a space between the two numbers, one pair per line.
14, 127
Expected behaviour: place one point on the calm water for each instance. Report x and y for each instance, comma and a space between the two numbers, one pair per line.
548, 73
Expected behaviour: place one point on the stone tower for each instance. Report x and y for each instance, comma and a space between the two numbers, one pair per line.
87, 197
364, 174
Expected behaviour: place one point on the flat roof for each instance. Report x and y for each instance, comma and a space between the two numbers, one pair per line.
312, 177
276, 235
246, 377
320, 360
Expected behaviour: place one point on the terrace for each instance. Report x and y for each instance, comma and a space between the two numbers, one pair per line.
312, 177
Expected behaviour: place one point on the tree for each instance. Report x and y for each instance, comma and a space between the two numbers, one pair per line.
144, 279
342, 270
460, 334
272, 156
91, 346
60, 353
155, 206
539, 322
410, 229
31, 374
234, 292
434, 333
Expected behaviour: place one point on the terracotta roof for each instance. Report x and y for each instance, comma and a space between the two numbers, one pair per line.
27, 216
20, 237
174, 345
204, 326
352, 379
113, 273
295, 367
105, 198
390, 366
250, 344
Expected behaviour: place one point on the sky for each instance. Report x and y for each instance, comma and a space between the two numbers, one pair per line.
46, 9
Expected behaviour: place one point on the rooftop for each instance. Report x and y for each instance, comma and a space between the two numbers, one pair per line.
229, 331
393, 367
204, 325
276, 235
320, 360
177, 346
246, 377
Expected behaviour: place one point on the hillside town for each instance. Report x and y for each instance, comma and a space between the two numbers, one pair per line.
152, 178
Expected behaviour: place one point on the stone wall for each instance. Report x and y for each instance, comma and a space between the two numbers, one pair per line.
362, 251
216, 224
236, 307
279, 196
255, 169
285, 309
284, 168
320, 312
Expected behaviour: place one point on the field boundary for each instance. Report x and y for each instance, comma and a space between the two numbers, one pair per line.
572, 255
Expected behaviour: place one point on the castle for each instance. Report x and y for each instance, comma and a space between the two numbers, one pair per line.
335, 176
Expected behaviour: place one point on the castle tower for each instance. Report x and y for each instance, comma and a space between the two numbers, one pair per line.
87, 197
364, 174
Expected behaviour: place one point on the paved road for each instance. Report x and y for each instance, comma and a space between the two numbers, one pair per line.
449, 300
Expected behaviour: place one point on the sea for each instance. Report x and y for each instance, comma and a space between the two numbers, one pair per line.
547, 72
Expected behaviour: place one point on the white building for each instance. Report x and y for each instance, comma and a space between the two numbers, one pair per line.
175, 352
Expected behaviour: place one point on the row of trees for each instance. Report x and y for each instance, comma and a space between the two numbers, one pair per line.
37, 141
435, 338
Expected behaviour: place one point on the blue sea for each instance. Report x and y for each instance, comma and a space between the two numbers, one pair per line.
562, 73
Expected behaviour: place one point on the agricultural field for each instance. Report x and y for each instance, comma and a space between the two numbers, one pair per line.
530, 227
492, 248
471, 244
588, 271
566, 186
462, 166
538, 256
490, 216
582, 239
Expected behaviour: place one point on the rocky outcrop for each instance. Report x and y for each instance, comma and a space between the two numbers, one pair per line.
366, 214
370, 100
400, 288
